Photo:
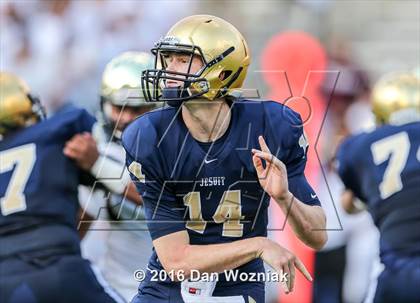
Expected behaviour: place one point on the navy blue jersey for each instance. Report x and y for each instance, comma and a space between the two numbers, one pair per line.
38, 184
213, 192
382, 168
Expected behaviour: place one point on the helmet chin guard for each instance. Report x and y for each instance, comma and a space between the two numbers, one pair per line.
174, 93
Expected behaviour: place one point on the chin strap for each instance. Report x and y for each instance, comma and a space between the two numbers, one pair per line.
174, 93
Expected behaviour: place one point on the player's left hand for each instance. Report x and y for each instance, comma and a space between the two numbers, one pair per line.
82, 148
273, 178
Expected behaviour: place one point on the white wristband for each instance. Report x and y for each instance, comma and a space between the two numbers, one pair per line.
113, 175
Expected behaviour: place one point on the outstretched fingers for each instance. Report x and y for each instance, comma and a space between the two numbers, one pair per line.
286, 284
263, 145
268, 157
291, 279
299, 265
258, 165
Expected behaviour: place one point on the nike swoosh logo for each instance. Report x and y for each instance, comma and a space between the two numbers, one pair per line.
313, 196
209, 161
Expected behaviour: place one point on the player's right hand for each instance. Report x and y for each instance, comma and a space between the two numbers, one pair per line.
282, 260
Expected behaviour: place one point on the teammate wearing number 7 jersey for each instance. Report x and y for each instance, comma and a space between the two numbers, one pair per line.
40, 257
207, 165
382, 169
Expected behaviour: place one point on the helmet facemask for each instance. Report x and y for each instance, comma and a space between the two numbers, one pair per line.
35, 114
194, 85
37, 108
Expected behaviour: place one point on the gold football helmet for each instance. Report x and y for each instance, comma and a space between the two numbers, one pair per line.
121, 79
220, 45
395, 96
17, 107
121, 88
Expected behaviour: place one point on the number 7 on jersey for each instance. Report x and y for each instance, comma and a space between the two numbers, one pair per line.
21, 160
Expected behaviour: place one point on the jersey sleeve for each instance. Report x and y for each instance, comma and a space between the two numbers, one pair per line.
163, 214
286, 139
345, 167
84, 121
71, 120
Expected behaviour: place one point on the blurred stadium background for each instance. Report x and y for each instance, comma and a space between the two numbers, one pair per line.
61, 47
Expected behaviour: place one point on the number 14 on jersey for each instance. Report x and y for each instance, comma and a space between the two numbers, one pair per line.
228, 212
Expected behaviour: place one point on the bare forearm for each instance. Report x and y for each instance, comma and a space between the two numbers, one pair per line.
350, 203
219, 257
308, 222
132, 194
215, 257
84, 221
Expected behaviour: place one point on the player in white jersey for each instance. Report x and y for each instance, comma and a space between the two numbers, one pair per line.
117, 242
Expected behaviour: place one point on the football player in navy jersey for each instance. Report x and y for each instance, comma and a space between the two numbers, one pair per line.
118, 243
206, 168
381, 171
40, 257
